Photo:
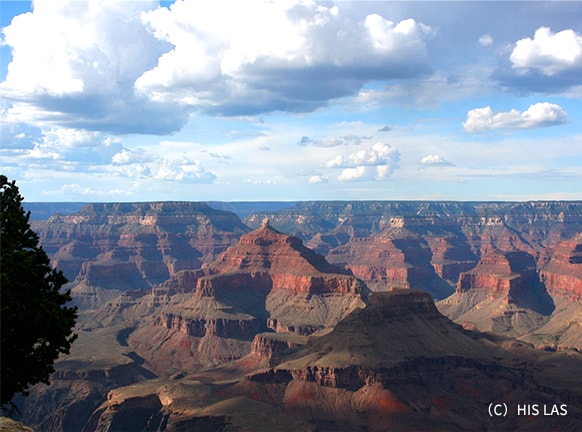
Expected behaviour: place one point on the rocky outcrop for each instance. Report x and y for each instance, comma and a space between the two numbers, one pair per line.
268, 280
9, 425
502, 294
273, 346
401, 362
501, 273
511, 276
451, 255
75, 393
398, 257
226, 328
462, 231
563, 274
269, 249
135, 245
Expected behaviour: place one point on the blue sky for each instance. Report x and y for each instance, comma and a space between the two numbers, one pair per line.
106, 100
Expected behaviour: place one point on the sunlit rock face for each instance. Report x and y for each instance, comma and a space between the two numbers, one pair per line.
106, 249
563, 273
425, 245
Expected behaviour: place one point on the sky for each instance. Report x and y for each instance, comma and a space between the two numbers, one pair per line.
287, 100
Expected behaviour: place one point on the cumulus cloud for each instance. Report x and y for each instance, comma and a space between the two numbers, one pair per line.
541, 114
183, 170
73, 151
141, 164
548, 52
135, 67
434, 160
126, 157
74, 65
72, 145
336, 162
375, 163
548, 62
290, 56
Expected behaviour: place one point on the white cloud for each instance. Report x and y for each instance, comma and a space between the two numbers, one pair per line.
73, 145
352, 174
486, 40
135, 67
336, 162
377, 155
315, 179
183, 170
375, 163
538, 115
141, 164
74, 65
434, 160
264, 56
80, 152
256, 181
126, 156
388, 36
548, 52
76, 189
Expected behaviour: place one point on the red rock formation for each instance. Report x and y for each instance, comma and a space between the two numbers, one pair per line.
268, 280
243, 329
400, 362
502, 294
563, 274
396, 258
134, 246
506, 274
263, 260
271, 346
268, 249
450, 257
511, 275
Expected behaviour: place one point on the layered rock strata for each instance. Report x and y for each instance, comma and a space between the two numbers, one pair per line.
563, 274
134, 245
503, 294
267, 281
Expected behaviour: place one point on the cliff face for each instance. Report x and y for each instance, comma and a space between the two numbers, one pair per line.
400, 257
341, 220
400, 362
563, 274
503, 294
134, 246
501, 274
454, 248
266, 281
425, 245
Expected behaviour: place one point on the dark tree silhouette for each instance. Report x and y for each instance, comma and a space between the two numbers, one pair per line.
37, 325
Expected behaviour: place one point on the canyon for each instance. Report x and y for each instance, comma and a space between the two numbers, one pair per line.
367, 315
